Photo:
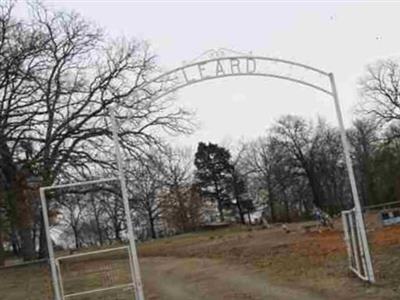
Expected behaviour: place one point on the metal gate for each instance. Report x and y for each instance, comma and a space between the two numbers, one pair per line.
357, 245
112, 286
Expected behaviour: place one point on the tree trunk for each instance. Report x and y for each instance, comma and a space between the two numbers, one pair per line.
25, 215
99, 231
183, 217
43, 251
271, 205
14, 242
221, 213
237, 197
34, 236
27, 246
76, 236
241, 213
9, 171
117, 231
272, 212
314, 189
152, 229
2, 254
249, 217
287, 209
219, 202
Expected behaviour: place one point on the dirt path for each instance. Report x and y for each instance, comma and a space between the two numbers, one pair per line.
167, 278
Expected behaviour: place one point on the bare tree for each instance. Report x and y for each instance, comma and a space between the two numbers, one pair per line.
330, 167
114, 209
380, 109
271, 171
296, 135
19, 47
145, 184
176, 166
73, 206
380, 91
298, 165
182, 201
61, 75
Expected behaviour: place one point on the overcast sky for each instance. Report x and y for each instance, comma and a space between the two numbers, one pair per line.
336, 37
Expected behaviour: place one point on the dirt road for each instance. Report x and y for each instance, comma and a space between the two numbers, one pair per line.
168, 278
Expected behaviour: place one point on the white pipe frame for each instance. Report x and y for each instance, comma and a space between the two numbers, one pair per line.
55, 271
99, 290
353, 256
60, 186
53, 268
139, 294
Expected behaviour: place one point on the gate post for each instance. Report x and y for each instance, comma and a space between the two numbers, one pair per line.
131, 235
357, 206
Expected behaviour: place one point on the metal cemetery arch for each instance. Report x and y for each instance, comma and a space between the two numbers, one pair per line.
221, 65
249, 68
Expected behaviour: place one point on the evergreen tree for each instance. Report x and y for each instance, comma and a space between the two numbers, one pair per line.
214, 174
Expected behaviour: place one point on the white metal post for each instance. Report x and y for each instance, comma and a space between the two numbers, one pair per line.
50, 249
347, 238
354, 244
357, 206
136, 269
60, 280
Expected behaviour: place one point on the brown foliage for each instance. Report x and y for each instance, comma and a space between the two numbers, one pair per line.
182, 208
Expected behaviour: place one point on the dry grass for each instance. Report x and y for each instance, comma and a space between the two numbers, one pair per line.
315, 261
30, 282
311, 260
